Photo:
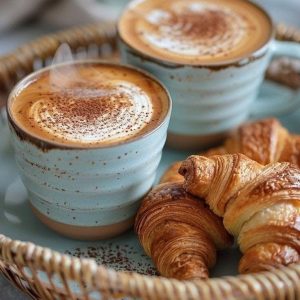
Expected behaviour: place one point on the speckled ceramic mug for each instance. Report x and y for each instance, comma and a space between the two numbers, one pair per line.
87, 193
209, 98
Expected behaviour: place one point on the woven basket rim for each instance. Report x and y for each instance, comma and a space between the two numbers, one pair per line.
21, 253
18, 252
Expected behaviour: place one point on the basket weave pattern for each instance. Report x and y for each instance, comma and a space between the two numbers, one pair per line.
46, 274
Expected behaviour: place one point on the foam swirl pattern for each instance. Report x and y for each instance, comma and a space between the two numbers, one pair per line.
89, 106
124, 107
194, 31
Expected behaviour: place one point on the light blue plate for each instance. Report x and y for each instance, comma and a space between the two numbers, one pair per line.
121, 253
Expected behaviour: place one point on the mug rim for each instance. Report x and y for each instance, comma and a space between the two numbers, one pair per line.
48, 145
232, 62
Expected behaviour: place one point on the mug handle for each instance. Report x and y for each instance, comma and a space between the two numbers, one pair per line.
277, 99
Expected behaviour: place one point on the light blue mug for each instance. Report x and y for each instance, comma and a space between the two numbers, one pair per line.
210, 100
87, 193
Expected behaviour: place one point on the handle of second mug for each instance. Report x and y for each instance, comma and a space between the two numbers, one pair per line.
265, 106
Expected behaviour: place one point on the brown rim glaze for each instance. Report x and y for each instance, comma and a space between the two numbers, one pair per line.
244, 60
46, 145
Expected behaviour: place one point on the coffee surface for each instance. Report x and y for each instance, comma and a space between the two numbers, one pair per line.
194, 31
89, 105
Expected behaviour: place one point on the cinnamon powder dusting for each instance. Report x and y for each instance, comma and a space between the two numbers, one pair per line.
194, 31
202, 25
83, 115
89, 109
99, 105
123, 257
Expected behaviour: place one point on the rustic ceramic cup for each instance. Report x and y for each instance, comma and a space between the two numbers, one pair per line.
210, 100
87, 193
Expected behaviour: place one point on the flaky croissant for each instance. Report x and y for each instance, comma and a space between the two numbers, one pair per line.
260, 205
179, 232
265, 141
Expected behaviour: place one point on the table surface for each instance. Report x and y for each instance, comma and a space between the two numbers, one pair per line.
11, 39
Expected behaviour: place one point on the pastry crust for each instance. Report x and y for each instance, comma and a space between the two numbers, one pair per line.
218, 178
260, 204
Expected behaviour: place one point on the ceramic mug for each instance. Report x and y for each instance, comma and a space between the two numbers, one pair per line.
209, 101
87, 193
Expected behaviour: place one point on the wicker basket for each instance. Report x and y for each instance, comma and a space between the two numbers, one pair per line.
23, 263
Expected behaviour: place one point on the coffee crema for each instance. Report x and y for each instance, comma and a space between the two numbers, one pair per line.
195, 31
89, 104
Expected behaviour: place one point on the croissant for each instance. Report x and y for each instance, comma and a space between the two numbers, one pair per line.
179, 232
260, 205
264, 141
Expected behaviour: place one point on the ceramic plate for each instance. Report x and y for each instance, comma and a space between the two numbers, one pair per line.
121, 253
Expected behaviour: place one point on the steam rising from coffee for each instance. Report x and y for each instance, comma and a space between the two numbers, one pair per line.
87, 103
63, 77
69, 80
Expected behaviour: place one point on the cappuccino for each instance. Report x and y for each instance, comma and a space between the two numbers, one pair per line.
89, 105
88, 137
195, 31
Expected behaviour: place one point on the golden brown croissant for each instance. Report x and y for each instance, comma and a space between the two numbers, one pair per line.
179, 232
260, 205
264, 141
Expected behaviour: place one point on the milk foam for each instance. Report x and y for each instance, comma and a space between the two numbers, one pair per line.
100, 105
194, 31
173, 30
124, 109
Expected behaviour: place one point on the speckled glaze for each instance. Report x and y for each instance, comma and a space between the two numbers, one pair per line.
207, 99
92, 187
210, 100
